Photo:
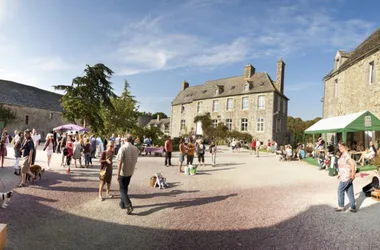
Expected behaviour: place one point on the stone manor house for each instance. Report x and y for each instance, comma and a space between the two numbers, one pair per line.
34, 108
251, 103
353, 85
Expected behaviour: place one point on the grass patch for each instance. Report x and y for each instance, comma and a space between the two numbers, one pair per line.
311, 161
314, 162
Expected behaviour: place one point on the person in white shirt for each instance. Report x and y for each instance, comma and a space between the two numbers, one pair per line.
36, 138
258, 144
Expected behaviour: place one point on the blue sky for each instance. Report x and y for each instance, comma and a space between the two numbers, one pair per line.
156, 44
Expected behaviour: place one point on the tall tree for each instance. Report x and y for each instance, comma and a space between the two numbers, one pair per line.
297, 126
6, 115
87, 95
124, 115
161, 114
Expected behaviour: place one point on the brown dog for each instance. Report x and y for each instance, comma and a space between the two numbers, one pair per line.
36, 170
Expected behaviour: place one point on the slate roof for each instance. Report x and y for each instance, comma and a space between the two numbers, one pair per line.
12, 93
232, 86
365, 49
345, 53
160, 122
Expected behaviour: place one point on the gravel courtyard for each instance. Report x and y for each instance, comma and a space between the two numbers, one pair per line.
243, 203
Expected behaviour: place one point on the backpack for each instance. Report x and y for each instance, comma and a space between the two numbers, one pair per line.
200, 149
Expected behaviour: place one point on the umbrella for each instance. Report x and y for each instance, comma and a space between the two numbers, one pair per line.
73, 127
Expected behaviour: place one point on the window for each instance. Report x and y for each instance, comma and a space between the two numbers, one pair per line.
182, 108
284, 106
215, 123
199, 107
244, 101
278, 103
261, 102
26, 119
371, 73
244, 124
336, 88
183, 124
260, 125
229, 124
51, 115
278, 125
246, 86
215, 106
230, 103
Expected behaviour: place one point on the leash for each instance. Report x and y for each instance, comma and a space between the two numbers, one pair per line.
3, 185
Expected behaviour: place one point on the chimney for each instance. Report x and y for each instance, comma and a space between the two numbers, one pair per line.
280, 76
249, 71
158, 118
185, 85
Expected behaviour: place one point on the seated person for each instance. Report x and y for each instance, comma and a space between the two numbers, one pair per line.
368, 155
289, 152
300, 153
330, 148
360, 147
281, 153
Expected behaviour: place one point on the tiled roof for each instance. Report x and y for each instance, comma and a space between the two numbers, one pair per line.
345, 53
260, 83
365, 49
161, 121
12, 93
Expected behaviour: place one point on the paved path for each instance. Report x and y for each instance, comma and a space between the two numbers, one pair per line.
243, 203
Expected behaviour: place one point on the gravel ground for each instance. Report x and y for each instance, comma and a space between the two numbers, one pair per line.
243, 203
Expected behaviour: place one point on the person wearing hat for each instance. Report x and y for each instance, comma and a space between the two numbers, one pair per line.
27, 149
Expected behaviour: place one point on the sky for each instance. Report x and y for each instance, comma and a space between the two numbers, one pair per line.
157, 44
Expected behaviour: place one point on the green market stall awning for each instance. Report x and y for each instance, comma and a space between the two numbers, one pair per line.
362, 121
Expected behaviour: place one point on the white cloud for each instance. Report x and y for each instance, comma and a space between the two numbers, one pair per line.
51, 64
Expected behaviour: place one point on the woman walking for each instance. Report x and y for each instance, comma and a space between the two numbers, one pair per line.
17, 149
69, 147
3, 149
213, 150
77, 152
49, 147
106, 165
346, 177
87, 153
182, 153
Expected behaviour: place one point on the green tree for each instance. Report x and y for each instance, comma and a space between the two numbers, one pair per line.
161, 114
297, 127
124, 115
87, 95
6, 115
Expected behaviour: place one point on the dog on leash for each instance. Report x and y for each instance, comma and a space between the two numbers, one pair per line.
5, 198
36, 170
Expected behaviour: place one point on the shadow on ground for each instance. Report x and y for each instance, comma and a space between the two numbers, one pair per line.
33, 224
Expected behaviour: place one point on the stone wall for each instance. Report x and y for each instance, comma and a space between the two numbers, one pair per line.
355, 94
42, 120
252, 114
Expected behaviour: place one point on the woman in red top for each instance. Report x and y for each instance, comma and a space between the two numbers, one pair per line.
253, 145
69, 146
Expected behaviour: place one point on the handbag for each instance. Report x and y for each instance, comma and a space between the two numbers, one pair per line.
102, 173
65, 151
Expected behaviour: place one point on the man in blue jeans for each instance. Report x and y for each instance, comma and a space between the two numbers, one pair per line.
346, 177
127, 158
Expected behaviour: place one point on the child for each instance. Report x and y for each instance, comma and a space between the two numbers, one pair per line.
289, 153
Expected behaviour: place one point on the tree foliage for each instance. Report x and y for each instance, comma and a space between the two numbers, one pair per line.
124, 115
87, 95
297, 127
161, 114
6, 115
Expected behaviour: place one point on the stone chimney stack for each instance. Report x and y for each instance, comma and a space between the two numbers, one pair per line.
280, 76
185, 85
158, 118
249, 71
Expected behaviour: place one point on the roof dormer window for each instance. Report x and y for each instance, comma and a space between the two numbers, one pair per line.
247, 86
219, 89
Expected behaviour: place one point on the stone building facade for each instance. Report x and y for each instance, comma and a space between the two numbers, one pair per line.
251, 103
354, 83
34, 108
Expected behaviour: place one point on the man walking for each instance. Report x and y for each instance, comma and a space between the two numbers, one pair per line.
127, 158
258, 144
168, 151
27, 148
